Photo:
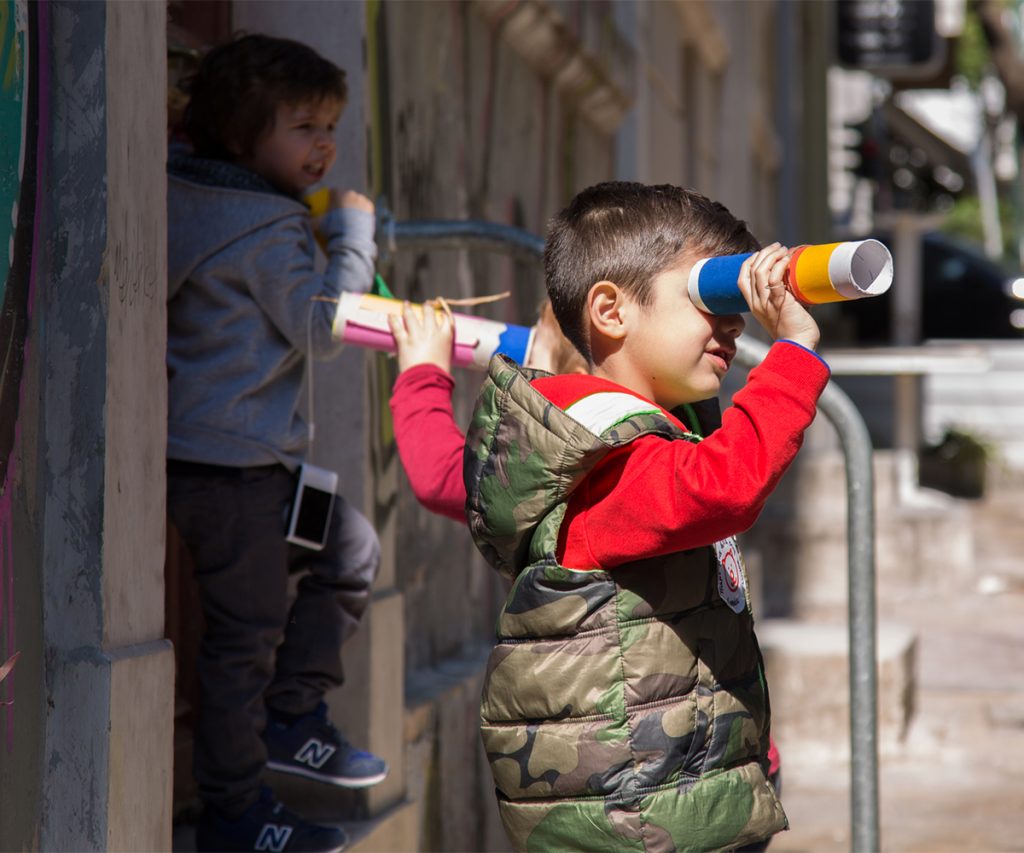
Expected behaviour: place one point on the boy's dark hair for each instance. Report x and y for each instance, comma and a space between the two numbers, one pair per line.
234, 95
628, 233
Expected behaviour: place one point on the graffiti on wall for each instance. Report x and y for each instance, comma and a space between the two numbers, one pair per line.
21, 68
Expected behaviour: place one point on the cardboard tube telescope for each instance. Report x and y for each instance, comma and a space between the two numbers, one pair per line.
831, 272
362, 320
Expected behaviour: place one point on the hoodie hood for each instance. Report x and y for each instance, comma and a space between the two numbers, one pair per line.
213, 203
524, 457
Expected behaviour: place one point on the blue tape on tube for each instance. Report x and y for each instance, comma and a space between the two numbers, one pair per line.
716, 288
513, 343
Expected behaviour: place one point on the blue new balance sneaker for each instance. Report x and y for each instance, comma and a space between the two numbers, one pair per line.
266, 825
312, 747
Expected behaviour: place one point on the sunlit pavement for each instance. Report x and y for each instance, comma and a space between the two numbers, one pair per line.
956, 781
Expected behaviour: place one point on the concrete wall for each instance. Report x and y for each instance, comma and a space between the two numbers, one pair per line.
94, 688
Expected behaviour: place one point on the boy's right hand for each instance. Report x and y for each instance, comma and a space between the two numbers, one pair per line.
762, 283
423, 336
350, 199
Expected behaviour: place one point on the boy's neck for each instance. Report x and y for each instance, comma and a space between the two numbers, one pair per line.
622, 373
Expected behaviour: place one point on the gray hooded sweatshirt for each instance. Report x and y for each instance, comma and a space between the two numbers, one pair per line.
245, 308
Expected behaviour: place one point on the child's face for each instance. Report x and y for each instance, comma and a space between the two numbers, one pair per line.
299, 149
681, 353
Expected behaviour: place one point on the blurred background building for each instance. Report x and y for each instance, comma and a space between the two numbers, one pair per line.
813, 121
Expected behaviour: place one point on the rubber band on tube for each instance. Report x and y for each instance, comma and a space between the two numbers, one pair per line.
362, 320
830, 272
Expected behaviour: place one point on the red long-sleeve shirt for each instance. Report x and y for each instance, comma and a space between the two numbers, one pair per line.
654, 497
429, 441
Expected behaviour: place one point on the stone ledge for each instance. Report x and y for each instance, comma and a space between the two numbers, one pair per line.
598, 84
807, 667
448, 776
394, 830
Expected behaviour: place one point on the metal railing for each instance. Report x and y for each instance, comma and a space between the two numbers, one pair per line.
857, 453
860, 539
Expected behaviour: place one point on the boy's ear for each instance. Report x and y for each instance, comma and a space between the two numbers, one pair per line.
606, 308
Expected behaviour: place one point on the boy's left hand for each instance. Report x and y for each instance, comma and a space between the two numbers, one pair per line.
762, 283
423, 336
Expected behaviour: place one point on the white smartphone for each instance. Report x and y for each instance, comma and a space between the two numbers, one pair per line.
311, 510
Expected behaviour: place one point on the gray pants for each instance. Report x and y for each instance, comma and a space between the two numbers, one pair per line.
256, 654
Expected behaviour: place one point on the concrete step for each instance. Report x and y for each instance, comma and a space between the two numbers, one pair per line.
392, 831
799, 545
396, 830
807, 667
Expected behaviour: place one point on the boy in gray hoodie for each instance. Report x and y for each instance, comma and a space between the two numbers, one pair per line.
246, 309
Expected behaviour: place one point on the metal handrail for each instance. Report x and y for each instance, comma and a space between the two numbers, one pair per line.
853, 434
459, 234
857, 452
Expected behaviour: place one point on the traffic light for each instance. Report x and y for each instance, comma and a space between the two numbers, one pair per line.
865, 155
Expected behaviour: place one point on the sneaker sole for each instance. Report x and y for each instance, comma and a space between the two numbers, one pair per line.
340, 781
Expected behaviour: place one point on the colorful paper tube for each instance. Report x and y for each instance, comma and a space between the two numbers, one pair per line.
362, 320
831, 272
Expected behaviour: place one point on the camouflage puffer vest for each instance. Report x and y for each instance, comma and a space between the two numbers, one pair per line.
622, 710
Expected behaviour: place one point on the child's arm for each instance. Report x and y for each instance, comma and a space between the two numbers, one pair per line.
430, 443
277, 266
656, 497
348, 213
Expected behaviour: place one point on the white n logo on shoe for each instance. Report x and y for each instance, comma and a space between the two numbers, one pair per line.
314, 753
273, 837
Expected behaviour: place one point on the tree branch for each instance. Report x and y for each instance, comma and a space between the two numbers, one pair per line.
1005, 56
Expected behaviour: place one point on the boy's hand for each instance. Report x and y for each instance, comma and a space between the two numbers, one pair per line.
762, 283
423, 336
350, 199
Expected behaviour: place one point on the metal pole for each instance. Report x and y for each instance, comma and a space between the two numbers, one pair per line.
860, 536
860, 493
460, 234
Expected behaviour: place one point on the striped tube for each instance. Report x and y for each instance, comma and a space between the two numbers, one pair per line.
362, 320
832, 272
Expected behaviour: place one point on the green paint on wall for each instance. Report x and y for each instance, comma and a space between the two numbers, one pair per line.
13, 73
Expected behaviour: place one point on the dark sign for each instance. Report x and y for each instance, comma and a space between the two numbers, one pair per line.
885, 35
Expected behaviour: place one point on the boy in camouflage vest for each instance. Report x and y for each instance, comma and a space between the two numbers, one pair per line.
625, 705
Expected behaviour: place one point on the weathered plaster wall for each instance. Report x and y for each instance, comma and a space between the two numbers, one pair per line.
134, 279
68, 478
94, 686
474, 132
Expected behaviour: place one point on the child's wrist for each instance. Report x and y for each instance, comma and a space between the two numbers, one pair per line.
807, 341
423, 361
357, 224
